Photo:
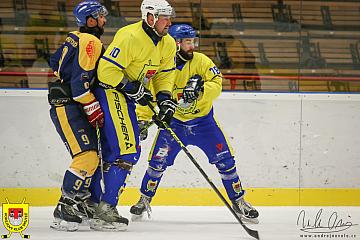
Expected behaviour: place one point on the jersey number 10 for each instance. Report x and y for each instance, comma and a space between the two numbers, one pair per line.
115, 52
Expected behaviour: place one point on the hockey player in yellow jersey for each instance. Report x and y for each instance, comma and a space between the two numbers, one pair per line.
140, 53
198, 83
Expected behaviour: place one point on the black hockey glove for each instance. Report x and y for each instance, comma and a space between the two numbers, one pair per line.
167, 108
143, 128
138, 92
193, 88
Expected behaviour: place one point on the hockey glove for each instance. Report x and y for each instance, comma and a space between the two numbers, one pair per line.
135, 90
143, 128
94, 113
193, 88
167, 108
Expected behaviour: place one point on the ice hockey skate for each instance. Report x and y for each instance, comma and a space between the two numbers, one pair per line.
87, 210
245, 211
108, 219
66, 214
143, 205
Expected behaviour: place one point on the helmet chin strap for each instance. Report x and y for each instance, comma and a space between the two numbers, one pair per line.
160, 35
153, 26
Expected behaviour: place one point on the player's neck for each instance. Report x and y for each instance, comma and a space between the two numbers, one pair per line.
96, 31
182, 57
180, 60
150, 32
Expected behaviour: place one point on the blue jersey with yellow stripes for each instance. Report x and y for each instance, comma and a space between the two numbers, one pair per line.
75, 63
135, 55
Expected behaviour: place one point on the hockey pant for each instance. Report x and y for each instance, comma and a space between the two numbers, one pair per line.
80, 139
120, 145
204, 133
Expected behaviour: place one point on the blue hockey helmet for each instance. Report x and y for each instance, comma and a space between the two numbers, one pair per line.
86, 9
180, 31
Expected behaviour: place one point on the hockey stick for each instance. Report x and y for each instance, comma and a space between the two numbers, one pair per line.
24, 235
6, 235
253, 233
102, 181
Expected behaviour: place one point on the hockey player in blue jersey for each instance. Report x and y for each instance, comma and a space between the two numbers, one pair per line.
75, 111
198, 82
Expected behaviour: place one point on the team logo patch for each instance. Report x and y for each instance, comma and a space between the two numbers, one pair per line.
15, 218
148, 75
151, 186
237, 187
179, 96
90, 51
148, 71
219, 147
185, 107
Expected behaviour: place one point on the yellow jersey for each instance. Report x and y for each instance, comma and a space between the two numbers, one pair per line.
203, 66
133, 54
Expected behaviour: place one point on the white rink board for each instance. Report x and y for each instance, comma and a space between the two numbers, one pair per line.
280, 140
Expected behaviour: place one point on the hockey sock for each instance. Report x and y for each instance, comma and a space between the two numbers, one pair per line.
115, 180
151, 181
95, 188
232, 184
73, 183
230, 178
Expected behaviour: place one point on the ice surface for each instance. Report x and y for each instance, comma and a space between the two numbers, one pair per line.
202, 223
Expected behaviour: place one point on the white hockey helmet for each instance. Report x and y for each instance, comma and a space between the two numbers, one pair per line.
156, 8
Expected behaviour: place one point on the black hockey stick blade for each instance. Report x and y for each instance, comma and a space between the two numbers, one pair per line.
251, 232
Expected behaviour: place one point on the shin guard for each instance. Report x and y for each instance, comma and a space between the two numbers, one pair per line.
151, 181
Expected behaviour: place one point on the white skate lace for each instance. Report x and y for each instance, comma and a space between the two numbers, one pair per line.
112, 211
244, 206
146, 202
88, 208
247, 205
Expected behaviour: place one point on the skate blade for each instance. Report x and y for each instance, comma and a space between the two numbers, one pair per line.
102, 226
137, 218
249, 220
85, 222
61, 225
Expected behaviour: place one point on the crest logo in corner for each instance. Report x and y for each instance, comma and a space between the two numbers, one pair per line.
15, 218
